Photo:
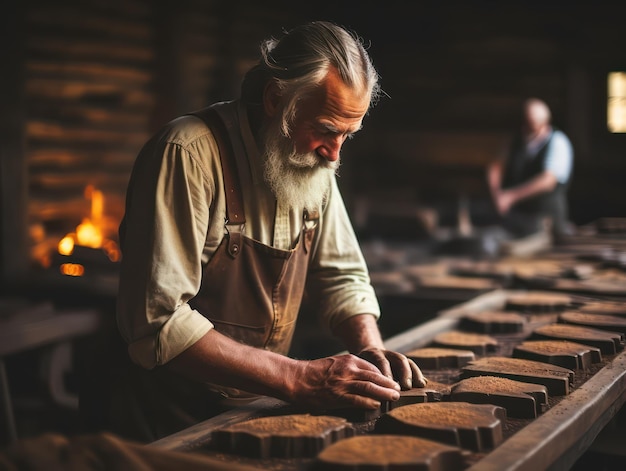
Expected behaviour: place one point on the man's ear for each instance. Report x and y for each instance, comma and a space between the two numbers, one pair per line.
271, 98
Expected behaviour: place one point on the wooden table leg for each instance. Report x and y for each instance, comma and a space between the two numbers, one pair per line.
7, 406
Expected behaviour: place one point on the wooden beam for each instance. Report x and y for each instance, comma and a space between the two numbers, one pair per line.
13, 175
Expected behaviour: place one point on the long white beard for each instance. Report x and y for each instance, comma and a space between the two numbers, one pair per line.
297, 180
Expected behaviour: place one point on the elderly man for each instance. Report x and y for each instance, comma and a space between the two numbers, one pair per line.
530, 184
233, 214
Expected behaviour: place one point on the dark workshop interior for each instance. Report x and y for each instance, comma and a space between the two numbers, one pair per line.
86, 83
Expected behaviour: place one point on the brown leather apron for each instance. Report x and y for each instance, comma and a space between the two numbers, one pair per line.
251, 292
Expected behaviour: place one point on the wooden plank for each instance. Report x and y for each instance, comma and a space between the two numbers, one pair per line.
103, 72
39, 130
61, 157
75, 134
69, 48
199, 435
71, 20
51, 88
60, 180
84, 114
13, 174
27, 334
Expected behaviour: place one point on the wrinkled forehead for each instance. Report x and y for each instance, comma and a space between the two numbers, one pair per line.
343, 101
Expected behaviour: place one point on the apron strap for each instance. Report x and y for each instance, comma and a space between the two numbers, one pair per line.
232, 188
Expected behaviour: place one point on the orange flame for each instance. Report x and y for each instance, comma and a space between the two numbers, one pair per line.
72, 269
89, 232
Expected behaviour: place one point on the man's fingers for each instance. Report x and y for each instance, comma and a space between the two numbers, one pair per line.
402, 370
378, 359
397, 366
360, 392
375, 378
374, 390
419, 381
361, 402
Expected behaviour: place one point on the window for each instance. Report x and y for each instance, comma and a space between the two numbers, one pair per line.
616, 102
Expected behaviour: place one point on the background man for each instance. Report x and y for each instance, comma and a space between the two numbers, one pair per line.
530, 183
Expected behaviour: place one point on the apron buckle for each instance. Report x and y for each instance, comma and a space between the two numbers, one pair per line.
234, 239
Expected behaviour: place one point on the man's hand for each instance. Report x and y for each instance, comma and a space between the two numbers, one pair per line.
396, 366
343, 381
362, 337
542, 183
504, 200
362, 380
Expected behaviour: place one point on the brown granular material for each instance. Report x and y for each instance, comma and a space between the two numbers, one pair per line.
460, 282
494, 384
446, 414
497, 316
557, 347
473, 426
536, 301
478, 343
608, 342
618, 309
502, 364
572, 355
434, 352
520, 399
573, 331
594, 320
294, 425
493, 322
435, 357
285, 436
465, 338
557, 379
389, 450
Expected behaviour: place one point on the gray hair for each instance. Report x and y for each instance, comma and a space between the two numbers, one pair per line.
539, 109
300, 60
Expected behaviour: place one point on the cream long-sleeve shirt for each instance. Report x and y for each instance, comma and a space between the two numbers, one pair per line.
174, 222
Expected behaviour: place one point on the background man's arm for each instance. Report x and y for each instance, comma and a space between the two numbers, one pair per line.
542, 183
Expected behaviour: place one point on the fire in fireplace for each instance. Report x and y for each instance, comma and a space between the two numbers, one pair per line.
89, 247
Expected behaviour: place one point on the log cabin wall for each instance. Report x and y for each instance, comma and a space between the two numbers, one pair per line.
89, 99
89, 81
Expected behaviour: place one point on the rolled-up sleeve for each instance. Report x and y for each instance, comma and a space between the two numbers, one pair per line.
559, 157
338, 279
163, 236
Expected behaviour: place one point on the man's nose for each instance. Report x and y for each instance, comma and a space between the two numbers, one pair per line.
332, 148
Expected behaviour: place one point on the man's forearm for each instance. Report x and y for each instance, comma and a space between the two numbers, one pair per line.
218, 359
494, 176
359, 332
542, 183
337, 381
